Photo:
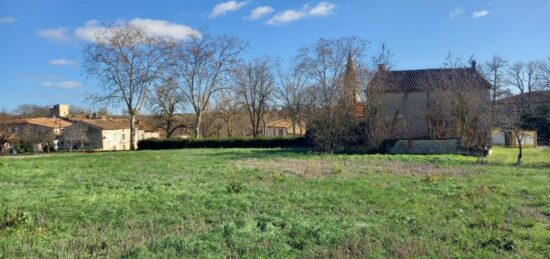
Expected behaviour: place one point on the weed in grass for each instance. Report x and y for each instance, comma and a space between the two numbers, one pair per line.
14, 218
504, 243
431, 178
336, 169
235, 186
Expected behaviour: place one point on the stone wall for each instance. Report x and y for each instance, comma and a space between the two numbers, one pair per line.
426, 146
405, 114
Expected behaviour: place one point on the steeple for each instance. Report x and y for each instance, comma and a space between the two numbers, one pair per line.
351, 82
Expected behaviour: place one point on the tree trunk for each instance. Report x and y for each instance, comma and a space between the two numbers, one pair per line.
197, 129
132, 131
520, 153
228, 129
168, 129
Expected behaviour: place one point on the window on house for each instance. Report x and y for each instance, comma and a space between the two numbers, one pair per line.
280, 132
123, 136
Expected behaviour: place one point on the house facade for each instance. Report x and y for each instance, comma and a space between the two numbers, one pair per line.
430, 104
37, 132
283, 128
508, 138
102, 135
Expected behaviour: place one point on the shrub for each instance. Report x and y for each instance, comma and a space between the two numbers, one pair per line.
14, 218
156, 144
234, 187
336, 169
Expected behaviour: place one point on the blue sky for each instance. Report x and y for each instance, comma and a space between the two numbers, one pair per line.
41, 41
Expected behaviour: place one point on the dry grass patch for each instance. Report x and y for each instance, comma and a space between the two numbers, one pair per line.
329, 167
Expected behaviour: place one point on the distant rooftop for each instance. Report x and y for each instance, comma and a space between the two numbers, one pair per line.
46, 122
427, 79
535, 97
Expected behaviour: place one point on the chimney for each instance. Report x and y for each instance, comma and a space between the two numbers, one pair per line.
474, 63
381, 68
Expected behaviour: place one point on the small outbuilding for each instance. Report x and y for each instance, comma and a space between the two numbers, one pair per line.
284, 127
508, 138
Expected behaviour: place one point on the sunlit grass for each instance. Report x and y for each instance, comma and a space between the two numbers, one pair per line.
274, 203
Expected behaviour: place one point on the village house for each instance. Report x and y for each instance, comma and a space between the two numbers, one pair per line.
37, 132
448, 103
103, 135
283, 128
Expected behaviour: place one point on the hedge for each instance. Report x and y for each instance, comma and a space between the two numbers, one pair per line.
156, 144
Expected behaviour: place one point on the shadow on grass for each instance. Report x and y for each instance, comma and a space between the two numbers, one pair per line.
238, 154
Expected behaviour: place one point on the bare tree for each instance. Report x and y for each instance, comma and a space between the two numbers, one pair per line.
165, 103
384, 56
293, 95
524, 77
544, 74
32, 111
455, 61
75, 135
330, 116
227, 107
494, 71
255, 84
202, 64
511, 120
128, 63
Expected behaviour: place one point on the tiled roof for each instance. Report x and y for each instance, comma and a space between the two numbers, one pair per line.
427, 79
535, 97
284, 123
46, 122
113, 124
280, 124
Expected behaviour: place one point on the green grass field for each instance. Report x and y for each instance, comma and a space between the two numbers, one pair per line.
274, 203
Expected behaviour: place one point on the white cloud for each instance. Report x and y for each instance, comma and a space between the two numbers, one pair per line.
165, 29
157, 28
322, 9
479, 14
57, 34
62, 62
62, 84
260, 12
287, 16
89, 30
6, 20
456, 12
225, 7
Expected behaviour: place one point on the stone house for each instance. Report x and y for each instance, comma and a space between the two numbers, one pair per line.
37, 131
103, 135
430, 104
283, 128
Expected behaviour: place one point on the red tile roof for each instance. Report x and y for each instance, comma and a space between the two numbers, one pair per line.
427, 79
45, 122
